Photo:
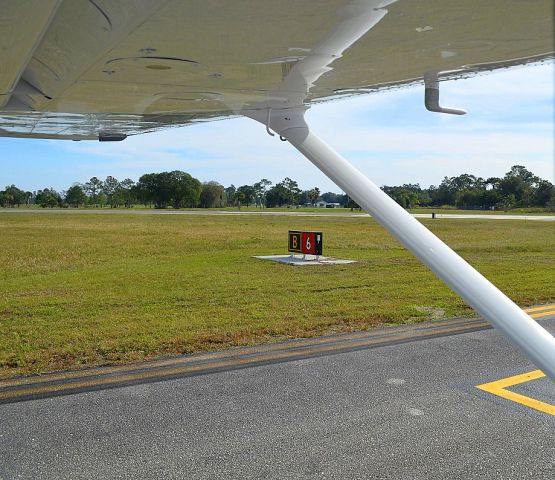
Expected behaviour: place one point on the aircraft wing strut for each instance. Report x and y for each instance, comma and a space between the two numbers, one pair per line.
285, 115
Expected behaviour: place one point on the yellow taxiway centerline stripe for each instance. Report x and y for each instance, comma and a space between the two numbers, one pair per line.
543, 314
498, 388
537, 309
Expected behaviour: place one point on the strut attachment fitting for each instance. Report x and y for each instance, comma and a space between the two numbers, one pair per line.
431, 95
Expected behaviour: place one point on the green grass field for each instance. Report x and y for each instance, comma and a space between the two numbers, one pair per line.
79, 290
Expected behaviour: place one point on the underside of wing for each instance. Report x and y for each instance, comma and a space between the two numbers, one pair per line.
88, 69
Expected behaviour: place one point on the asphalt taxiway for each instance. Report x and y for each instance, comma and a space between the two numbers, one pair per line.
448, 399
270, 213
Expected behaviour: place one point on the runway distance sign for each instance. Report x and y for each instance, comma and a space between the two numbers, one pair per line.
308, 243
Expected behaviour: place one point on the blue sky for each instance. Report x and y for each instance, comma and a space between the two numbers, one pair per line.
388, 135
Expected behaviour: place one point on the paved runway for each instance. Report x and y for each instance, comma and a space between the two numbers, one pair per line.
402, 403
292, 213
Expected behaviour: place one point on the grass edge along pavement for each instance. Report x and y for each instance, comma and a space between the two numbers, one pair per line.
90, 290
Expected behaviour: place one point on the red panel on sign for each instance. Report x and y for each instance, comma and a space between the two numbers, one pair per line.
308, 243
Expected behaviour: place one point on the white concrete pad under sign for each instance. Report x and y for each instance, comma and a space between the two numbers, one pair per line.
303, 260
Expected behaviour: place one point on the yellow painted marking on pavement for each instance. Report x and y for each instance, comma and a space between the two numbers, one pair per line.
499, 388
537, 309
543, 314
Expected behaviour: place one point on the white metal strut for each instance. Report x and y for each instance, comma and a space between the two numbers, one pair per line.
532, 339
283, 112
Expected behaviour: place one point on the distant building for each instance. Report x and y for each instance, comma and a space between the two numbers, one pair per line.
323, 204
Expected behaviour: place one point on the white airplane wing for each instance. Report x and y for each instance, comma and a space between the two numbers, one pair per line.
89, 69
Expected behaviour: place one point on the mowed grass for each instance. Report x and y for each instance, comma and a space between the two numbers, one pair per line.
80, 290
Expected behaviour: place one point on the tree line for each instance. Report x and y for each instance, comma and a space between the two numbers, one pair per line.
517, 188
